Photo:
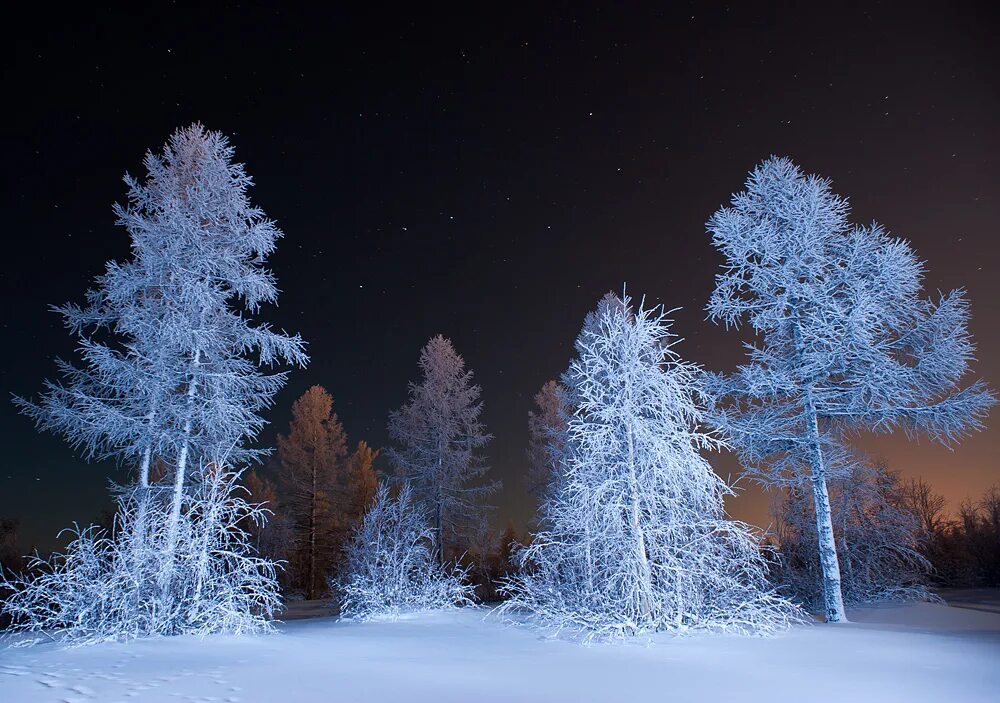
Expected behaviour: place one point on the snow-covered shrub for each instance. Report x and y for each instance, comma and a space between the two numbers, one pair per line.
391, 566
635, 536
109, 586
878, 539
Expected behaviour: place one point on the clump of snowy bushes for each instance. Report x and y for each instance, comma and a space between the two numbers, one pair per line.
392, 567
116, 585
635, 538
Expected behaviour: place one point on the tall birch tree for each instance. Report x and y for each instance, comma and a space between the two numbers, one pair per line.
844, 340
171, 356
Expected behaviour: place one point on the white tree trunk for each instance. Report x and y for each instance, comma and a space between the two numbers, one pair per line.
209, 524
833, 598
167, 570
142, 517
644, 601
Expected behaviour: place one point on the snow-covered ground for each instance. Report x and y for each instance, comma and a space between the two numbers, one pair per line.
912, 653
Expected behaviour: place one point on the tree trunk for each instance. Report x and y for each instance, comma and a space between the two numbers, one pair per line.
439, 531
311, 587
143, 492
209, 521
644, 601
833, 598
438, 521
167, 568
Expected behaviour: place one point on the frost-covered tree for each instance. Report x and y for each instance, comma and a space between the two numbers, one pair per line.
391, 565
106, 584
844, 340
879, 538
636, 538
439, 440
362, 481
171, 356
312, 458
546, 426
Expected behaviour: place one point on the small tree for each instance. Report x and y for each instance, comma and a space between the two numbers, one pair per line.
845, 340
636, 537
391, 567
439, 439
312, 456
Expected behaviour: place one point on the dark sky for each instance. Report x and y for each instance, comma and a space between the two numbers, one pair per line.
487, 176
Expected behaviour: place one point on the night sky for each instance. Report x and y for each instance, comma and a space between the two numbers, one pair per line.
487, 177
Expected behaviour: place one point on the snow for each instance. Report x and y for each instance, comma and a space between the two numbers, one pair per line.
922, 652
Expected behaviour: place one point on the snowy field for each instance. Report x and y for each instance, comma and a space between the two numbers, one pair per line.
912, 653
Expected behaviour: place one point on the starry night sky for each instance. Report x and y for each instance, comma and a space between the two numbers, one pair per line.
487, 176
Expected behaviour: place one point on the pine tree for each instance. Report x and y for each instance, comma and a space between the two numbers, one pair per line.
312, 456
171, 356
439, 440
636, 536
844, 340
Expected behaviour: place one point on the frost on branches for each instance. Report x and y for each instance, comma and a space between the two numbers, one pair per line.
879, 538
171, 375
845, 340
105, 586
391, 566
636, 538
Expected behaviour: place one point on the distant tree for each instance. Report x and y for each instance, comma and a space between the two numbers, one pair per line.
439, 440
271, 537
926, 505
636, 536
979, 539
10, 555
510, 544
171, 356
362, 481
312, 456
844, 340
546, 427
391, 567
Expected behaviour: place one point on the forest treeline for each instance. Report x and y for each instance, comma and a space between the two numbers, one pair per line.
961, 549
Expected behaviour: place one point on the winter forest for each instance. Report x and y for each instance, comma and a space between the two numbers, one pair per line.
175, 376
326, 566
